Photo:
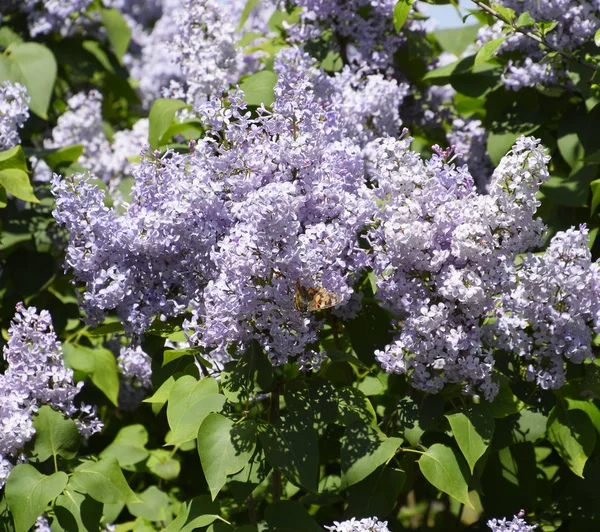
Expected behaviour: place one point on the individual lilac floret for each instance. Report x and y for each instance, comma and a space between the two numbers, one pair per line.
35, 376
14, 111
518, 524
369, 524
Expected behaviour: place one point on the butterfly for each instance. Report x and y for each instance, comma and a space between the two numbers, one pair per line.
312, 299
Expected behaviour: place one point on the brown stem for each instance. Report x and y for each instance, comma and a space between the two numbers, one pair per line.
274, 419
251, 510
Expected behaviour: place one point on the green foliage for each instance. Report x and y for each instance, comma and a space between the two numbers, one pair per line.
98, 364
33, 65
251, 447
258, 88
28, 492
55, 435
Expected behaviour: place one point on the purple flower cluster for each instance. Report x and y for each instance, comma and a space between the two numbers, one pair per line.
577, 22
196, 41
449, 264
518, 524
363, 29
369, 524
228, 229
14, 111
46, 16
136, 372
35, 376
82, 123
224, 233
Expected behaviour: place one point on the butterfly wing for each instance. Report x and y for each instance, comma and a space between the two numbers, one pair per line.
323, 298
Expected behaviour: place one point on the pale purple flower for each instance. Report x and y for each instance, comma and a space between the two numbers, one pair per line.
14, 112
369, 524
518, 524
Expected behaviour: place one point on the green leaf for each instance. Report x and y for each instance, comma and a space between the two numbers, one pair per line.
190, 401
196, 513
506, 12
446, 470
253, 372
595, 186
99, 363
161, 117
8, 37
293, 450
77, 511
13, 158
354, 406
169, 355
129, 446
473, 429
224, 448
364, 449
573, 190
487, 50
573, 436
17, 183
104, 481
506, 402
161, 396
377, 494
155, 505
250, 5
119, 33
401, 11
55, 435
259, 88
163, 465
62, 156
597, 38
525, 20
34, 66
28, 492
289, 516
456, 40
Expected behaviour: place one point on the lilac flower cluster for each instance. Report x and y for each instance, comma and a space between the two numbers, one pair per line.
204, 48
548, 323
228, 229
46, 16
449, 264
578, 21
363, 29
14, 111
82, 124
369, 524
196, 41
518, 524
35, 376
